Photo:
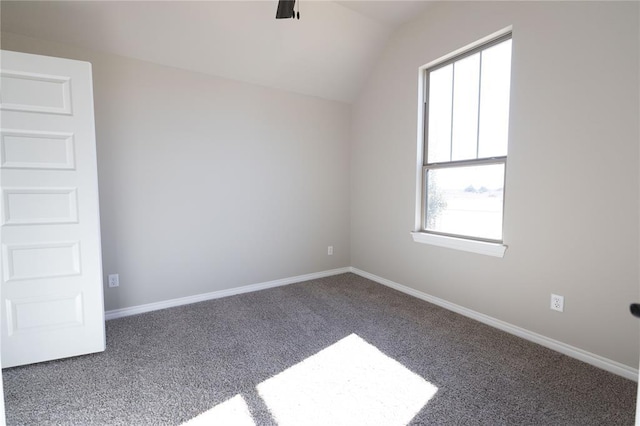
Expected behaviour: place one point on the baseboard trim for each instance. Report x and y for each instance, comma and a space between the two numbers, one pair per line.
140, 309
577, 353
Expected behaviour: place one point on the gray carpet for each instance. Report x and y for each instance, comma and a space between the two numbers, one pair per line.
168, 366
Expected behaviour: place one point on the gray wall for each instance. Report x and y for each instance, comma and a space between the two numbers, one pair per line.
571, 215
208, 184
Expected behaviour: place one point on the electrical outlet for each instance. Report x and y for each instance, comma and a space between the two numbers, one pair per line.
114, 280
557, 303
330, 250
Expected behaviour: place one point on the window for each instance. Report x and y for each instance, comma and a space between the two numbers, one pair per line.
465, 139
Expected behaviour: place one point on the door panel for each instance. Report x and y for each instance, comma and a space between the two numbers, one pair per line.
27, 91
51, 295
36, 150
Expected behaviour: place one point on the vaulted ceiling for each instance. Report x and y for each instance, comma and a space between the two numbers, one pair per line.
327, 53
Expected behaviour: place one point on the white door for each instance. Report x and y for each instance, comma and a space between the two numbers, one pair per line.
51, 293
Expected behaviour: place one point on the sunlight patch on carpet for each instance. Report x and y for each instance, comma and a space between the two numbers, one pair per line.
233, 411
350, 382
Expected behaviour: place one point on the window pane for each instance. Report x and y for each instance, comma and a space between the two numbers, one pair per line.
494, 100
440, 98
466, 201
465, 108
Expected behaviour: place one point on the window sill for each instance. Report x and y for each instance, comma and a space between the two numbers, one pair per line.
473, 246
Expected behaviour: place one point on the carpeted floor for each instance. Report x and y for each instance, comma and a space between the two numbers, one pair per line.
169, 366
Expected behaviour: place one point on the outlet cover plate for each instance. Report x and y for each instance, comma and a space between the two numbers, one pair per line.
114, 280
557, 303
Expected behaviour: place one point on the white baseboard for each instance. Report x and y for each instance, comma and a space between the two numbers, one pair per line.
577, 353
140, 309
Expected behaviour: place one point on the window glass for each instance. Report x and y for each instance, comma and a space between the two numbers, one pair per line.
465, 108
440, 101
494, 101
466, 201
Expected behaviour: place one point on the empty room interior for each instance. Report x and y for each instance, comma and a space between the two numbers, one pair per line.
353, 213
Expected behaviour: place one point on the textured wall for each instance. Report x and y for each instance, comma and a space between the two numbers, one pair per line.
208, 184
571, 215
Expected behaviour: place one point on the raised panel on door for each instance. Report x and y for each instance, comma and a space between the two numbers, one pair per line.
36, 150
35, 92
51, 300
33, 206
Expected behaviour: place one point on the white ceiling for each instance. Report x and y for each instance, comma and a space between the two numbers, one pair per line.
327, 53
388, 12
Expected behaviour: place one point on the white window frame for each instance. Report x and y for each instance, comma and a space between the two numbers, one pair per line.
419, 235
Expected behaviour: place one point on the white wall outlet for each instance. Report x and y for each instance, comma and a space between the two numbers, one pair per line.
330, 250
114, 280
557, 303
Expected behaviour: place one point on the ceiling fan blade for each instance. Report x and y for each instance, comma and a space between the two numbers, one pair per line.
285, 9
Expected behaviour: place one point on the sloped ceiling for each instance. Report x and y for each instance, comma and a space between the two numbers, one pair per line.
327, 53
